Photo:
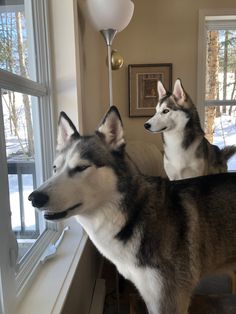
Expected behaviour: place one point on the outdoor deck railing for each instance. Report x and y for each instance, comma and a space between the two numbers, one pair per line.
21, 168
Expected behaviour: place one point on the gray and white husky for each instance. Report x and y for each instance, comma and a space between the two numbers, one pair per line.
187, 153
162, 235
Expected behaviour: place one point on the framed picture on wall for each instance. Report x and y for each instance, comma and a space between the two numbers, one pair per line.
143, 96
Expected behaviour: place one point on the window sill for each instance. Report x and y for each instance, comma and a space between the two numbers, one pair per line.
48, 292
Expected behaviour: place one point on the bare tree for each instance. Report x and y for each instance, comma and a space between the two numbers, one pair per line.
212, 81
225, 67
9, 105
233, 93
232, 66
6, 57
23, 72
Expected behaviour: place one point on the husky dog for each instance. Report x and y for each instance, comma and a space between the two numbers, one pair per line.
187, 153
162, 235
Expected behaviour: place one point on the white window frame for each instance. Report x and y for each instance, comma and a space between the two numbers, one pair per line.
202, 40
14, 282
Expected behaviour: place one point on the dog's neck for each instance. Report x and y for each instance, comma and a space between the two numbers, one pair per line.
183, 137
102, 226
176, 134
105, 216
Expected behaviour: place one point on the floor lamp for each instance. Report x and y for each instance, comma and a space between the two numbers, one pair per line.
110, 17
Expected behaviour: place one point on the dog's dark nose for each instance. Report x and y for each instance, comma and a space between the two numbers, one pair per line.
38, 199
147, 126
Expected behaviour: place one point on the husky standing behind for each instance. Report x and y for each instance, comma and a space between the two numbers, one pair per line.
187, 153
162, 235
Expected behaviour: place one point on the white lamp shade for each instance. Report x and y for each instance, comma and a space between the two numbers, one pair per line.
106, 14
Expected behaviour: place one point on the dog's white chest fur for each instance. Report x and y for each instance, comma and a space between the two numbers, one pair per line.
102, 227
181, 163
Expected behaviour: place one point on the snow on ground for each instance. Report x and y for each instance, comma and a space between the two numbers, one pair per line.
14, 153
15, 203
225, 134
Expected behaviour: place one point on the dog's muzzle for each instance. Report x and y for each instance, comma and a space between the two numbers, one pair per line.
50, 215
38, 199
147, 125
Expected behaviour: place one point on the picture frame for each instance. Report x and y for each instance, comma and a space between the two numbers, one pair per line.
143, 78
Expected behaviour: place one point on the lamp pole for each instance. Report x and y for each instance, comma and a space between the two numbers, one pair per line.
109, 35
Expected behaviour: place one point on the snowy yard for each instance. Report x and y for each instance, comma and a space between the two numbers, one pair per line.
15, 202
225, 134
20, 183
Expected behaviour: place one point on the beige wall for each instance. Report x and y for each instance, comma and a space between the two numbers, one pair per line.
160, 31
64, 57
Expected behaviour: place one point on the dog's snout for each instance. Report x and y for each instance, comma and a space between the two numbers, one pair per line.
147, 125
38, 199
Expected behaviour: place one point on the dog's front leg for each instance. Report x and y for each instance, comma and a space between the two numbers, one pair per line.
169, 303
150, 288
151, 310
161, 294
175, 301
153, 307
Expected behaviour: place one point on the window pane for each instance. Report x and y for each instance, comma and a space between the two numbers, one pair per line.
24, 164
221, 65
220, 128
17, 51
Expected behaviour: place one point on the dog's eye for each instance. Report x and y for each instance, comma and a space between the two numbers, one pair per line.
78, 169
54, 168
165, 111
81, 168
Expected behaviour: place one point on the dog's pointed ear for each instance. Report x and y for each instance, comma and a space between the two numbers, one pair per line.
66, 130
178, 91
161, 90
111, 129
